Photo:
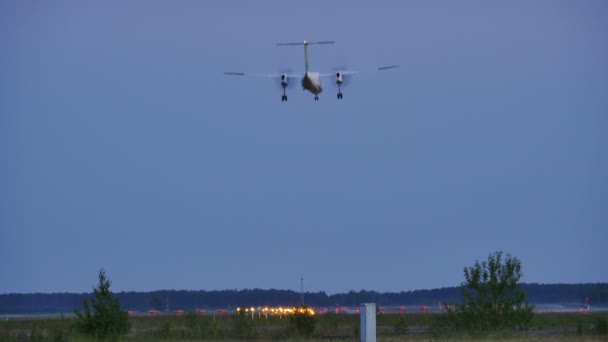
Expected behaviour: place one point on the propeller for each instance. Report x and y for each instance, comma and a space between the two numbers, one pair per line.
342, 77
283, 79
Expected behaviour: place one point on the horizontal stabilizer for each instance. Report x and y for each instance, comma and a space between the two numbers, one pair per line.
305, 42
234, 73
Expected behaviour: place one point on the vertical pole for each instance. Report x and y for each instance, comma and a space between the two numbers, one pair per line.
302, 291
306, 55
368, 322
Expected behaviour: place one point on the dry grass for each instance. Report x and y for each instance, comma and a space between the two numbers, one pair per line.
390, 328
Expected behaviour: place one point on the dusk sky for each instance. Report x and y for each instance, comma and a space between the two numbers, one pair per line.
124, 146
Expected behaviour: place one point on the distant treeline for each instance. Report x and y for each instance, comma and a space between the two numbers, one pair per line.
230, 299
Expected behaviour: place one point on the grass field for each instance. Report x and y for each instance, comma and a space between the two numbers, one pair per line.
390, 327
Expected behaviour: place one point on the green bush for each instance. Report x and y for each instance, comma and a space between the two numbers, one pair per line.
400, 325
213, 330
601, 325
329, 324
36, 334
106, 320
242, 324
493, 298
303, 321
167, 330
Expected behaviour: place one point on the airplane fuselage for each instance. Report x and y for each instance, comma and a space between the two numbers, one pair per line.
312, 82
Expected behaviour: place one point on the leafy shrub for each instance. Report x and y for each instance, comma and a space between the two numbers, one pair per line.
107, 320
601, 326
303, 321
493, 298
243, 325
400, 325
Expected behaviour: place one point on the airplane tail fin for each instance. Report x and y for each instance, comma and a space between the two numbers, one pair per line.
306, 43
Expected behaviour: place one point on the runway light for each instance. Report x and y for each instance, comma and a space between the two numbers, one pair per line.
277, 311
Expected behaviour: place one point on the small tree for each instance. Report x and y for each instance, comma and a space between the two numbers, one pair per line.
303, 320
492, 296
107, 321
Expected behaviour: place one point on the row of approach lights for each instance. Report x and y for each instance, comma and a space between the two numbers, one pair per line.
280, 311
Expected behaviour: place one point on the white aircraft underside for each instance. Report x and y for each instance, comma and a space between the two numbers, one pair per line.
312, 82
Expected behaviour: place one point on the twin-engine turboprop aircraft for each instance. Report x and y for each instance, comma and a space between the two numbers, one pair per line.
310, 81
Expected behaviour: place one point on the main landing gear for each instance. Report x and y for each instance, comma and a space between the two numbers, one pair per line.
284, 86
339, 90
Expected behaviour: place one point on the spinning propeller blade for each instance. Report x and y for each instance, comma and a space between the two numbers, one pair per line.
388, 67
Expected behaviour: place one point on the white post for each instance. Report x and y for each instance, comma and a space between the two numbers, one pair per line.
368, 322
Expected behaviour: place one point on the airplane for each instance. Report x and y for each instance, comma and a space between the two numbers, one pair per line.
310, 81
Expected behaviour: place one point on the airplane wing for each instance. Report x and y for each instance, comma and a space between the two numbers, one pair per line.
342, 72
272, 75
352, 72
284, 80
279, 74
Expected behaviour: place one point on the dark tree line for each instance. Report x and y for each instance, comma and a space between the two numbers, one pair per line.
190, 300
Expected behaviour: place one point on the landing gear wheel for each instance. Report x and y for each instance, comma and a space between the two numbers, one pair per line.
284, 98
340, 96
316, 98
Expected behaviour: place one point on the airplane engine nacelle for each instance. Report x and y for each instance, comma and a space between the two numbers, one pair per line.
339, 78
284, 80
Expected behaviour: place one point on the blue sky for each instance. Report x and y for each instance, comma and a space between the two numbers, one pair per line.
123, 145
